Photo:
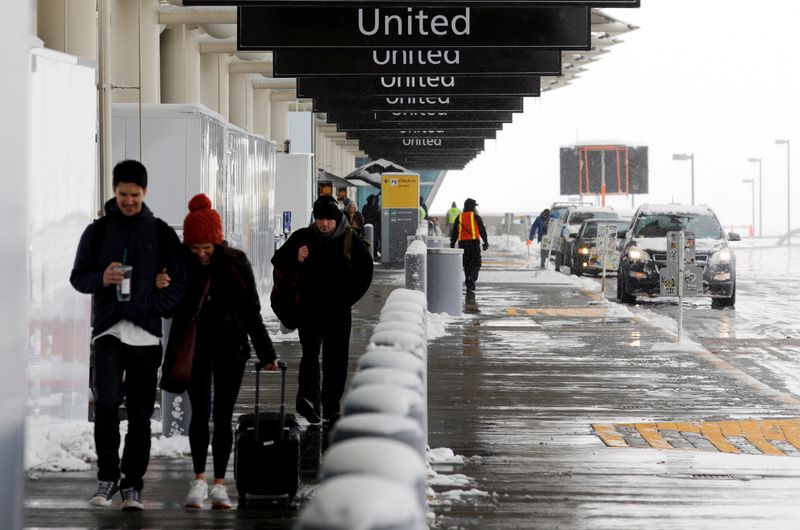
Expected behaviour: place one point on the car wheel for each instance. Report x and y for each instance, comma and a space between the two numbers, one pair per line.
622, 291
721, 303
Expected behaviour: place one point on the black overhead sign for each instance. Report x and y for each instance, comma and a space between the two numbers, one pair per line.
422, 85
313, 62
419, 26
588, 3
389, 126
440, 103
411, 117
433, 133
421, 143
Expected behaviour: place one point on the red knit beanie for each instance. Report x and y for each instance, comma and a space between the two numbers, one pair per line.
202, 224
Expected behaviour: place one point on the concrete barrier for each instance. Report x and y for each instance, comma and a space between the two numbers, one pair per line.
382, 425
362, 502
406, 295
388, 376
380, 457
415, 266
383, 398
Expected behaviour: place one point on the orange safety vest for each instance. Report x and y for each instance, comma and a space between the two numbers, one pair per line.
467, 227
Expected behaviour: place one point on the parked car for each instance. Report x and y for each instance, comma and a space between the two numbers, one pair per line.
573, 218
585, 240
644, 252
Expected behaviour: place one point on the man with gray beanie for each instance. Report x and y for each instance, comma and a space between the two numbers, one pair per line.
334, 270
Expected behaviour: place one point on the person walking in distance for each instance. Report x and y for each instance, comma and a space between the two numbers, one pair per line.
538, 230
117, 261
354, 217
452, 213
468, 230
334, 270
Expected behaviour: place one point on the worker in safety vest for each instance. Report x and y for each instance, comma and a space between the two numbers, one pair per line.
468, 230
452, 213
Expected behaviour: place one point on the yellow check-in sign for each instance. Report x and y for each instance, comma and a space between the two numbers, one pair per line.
400, 190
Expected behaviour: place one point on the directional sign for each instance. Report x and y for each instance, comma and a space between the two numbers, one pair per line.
433, 133
388, 126
421, 85
411, 117
315, 62
422, 103
589, 3
418, 26
421, 143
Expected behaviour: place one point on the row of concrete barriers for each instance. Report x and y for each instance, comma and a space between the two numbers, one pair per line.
374, 473
434, 268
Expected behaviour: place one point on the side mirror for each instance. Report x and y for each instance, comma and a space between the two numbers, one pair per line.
733, 236
573, 236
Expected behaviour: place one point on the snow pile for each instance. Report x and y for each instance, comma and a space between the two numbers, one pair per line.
443, 455
437, 325
509, 244
53, 444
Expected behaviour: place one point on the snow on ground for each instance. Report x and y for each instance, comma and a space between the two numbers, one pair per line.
53, 444
437, 325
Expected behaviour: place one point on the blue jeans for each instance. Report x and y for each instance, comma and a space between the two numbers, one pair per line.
130, 373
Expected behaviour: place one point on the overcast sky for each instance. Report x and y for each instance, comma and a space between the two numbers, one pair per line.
718, 78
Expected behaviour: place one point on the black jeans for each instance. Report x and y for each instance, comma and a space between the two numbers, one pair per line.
471, 261
227, 373
331, 332
123, 371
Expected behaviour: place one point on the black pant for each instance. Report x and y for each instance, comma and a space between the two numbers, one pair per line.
227, 372
471, 261
544, 257
123, 371
331, 331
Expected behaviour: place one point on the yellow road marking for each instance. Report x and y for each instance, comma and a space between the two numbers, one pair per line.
688, 426
730, 428
752, 432
667, 426
609, 436
791, 429
569, 312
714, 435
511, 312
651, 435
772, 431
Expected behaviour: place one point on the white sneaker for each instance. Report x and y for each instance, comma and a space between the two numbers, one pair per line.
198, 492
219, 498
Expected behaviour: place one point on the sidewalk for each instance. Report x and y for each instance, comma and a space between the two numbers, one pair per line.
515, 386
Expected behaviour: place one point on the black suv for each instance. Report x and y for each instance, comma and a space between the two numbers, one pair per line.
644, 252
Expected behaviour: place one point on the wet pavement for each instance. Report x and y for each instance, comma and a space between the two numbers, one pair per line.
564, 412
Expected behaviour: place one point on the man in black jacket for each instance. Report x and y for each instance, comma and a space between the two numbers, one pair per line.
126, 333
334, 271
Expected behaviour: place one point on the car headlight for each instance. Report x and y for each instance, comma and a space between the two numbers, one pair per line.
637, 254
583, 250
722, 256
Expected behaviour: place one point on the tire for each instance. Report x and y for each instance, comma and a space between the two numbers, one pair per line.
623, 296
722, 303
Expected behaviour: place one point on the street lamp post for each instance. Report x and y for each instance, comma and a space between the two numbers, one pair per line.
684, 156
752, 183
760, 197
788, 191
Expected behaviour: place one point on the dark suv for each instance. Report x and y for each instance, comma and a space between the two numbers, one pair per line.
644, 252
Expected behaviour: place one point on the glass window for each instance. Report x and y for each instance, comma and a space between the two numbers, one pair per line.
657, 225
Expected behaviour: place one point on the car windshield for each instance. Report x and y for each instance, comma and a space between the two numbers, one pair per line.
558, 212
657, 225
577, 218
590, 230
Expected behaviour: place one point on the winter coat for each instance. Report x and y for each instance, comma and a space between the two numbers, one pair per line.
231, 311
457, 223
136, 240
356, 221
539, 228
328, 280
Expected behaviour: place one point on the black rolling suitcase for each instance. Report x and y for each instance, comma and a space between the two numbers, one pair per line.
266, 460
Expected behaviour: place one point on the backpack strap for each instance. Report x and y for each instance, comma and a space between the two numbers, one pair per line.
99, 227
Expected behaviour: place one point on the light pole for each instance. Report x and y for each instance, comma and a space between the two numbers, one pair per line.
752, 183
788, 191
684, 156
760, 196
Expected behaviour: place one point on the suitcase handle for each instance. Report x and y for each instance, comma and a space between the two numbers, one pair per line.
283, 366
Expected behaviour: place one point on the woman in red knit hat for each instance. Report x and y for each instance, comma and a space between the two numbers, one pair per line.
231, 311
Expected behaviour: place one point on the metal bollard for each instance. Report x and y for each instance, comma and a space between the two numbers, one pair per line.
444, 280
369, 235
363, 502
415, 266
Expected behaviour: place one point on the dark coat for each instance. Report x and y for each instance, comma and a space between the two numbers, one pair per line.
356, 221
539, 228
231, 311
468, 244
139, 235
328, 281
